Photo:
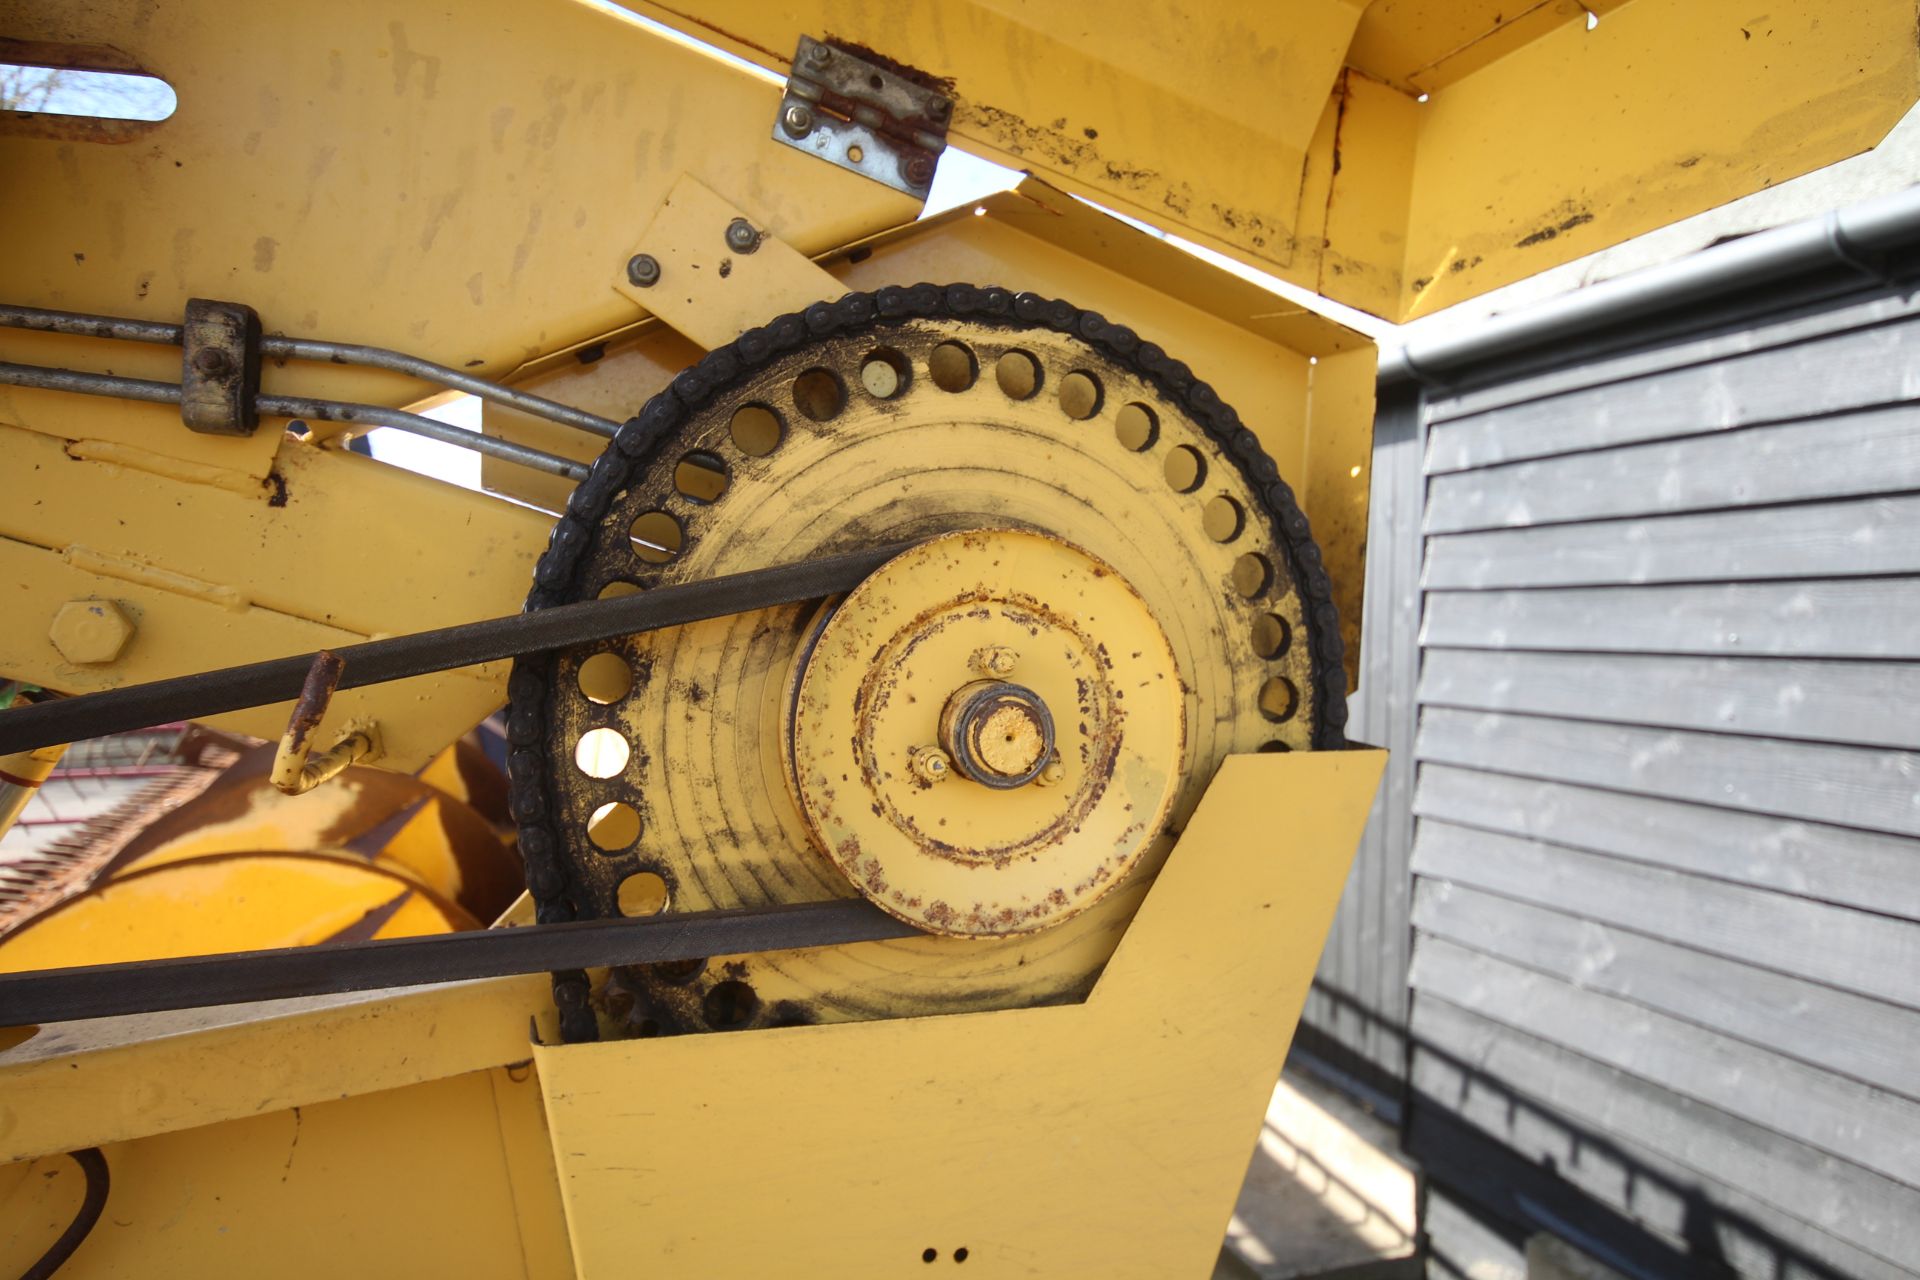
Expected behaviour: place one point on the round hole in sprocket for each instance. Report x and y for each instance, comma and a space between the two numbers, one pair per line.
884, 373
1252, 575
642, 894
1271, 635
1222, 518
952, 366
1136, 427
700, 476
755, 430
605, 678
729, 1004
1080, 395
1185, 469
1279, 699
657, 537
1018, 374
818, 394
601, 753
613, 827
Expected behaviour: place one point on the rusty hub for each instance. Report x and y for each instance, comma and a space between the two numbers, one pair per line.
997, 734
987, 854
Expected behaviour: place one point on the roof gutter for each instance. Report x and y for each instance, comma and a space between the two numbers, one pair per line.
1857, 238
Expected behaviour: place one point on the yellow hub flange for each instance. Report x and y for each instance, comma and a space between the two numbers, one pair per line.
1042, 678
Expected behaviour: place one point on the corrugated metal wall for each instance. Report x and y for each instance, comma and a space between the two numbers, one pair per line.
1666, 873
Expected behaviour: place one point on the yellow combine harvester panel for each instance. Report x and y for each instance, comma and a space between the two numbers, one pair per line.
1399, 155
920, 647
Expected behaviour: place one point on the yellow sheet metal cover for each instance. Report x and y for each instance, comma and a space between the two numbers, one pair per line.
1398, 155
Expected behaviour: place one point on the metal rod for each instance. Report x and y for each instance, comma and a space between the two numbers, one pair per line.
90, 384
125, 388
147, 986
377, 661
89, 326
400, 362
279, 347
305, 407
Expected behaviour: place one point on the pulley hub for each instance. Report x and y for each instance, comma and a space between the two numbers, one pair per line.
997, 733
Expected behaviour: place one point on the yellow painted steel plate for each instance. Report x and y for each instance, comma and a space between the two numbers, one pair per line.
969, 857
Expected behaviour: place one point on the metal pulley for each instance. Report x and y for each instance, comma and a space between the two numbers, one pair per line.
997, 736
989, 853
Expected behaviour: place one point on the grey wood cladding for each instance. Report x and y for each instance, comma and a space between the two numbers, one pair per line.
1666, 814
1357, 1008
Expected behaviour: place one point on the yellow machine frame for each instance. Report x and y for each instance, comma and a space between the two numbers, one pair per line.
466, 183
421, 1133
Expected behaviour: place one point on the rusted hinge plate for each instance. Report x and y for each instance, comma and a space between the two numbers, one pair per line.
853, 112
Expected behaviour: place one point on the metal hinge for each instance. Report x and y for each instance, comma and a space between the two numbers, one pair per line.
855, 113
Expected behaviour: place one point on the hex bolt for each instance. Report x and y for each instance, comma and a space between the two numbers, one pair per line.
819, 55
90, 632
797, 120
917, 170
643, 271
930, 765
994, 660
741, 237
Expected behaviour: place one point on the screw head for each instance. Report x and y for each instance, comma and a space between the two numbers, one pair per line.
917, 170
643, 271
819, 55
940, 108
212, 362
741, 237
797, 120
930, 765
90, 632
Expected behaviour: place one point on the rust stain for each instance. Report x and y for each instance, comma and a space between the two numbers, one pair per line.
911, 74
1552, 230
323, 677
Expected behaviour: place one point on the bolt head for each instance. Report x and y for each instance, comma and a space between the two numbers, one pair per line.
643, 271
90, 632
741, 237
797, 120
212, 362
1052, 775
917, 170
819, 55
930, 764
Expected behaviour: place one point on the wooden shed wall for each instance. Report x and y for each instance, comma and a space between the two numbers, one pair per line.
1666, 819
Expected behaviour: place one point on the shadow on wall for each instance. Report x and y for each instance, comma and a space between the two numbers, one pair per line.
1518, 1197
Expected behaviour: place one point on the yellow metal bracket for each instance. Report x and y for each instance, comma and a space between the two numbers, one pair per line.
712, 272
1030, 1138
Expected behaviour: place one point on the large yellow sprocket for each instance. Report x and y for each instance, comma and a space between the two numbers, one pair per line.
649, 771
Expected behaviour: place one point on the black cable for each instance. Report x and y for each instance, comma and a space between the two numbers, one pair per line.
94, 1166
